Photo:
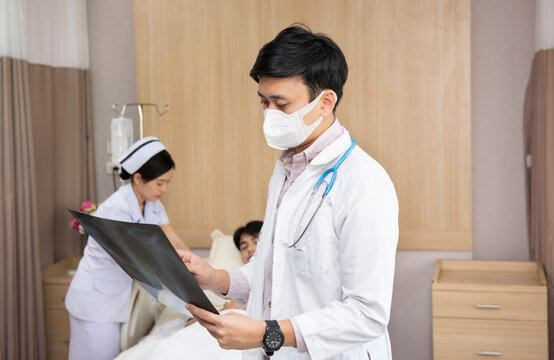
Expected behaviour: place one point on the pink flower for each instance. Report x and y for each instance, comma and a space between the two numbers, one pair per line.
87, 207
74, 224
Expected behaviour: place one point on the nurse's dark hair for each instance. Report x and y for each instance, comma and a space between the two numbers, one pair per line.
297, 51
158, 165
253, 228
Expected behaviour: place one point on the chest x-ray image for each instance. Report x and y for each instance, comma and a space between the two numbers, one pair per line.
146, 255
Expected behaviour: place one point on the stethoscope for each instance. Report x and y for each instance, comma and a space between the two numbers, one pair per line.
321, 180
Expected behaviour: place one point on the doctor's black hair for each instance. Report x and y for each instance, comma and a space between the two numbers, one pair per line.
253, 228
296, 51
158, 165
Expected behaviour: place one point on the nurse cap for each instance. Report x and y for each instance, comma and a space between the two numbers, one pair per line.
139, 153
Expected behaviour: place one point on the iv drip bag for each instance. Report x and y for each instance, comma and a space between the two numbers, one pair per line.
122, 136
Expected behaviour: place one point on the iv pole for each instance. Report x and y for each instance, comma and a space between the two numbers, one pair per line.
139, 107
141, 129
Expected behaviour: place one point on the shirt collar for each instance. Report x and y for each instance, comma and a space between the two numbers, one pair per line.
334, 150
131, 198
289, 156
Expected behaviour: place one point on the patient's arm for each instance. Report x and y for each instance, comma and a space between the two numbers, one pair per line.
174, 238
232, 305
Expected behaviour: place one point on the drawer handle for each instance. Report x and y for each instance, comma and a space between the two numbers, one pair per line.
483, 306
489, 353
66, 341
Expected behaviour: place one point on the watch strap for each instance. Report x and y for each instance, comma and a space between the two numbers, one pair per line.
272, 325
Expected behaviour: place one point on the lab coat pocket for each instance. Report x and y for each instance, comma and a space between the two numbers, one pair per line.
315, 253
303, 261
359, 353
108, 287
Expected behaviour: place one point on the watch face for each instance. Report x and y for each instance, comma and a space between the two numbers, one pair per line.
273, 340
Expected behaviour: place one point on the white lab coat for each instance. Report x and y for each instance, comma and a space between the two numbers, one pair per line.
339, 290
100, 290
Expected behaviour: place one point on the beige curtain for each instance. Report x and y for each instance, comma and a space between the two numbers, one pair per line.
21, 315
63, 137
46, 157
47, 167
539, 148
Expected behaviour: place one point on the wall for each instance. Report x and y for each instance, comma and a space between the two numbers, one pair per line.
113, 78
502, 50
413, 86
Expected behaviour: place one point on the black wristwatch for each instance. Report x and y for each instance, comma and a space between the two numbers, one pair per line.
273, 338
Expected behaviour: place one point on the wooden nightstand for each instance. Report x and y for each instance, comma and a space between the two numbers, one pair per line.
489, 310
55, 282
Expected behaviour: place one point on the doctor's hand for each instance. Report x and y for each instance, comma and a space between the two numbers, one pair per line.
206, 276
231, 330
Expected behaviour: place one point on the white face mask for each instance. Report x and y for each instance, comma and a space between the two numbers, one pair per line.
285, 131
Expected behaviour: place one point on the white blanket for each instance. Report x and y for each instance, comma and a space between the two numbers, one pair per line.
171, 341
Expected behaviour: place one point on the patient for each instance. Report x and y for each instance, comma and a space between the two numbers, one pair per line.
246, 239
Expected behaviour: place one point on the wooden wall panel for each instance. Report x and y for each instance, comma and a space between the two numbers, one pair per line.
407, 102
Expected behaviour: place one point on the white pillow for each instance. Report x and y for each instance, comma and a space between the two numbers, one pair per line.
224, 254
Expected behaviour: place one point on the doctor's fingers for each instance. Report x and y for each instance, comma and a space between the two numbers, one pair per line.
203, 316
208, 325
223, 342
220, 333
193, 268
186, 256
203, 273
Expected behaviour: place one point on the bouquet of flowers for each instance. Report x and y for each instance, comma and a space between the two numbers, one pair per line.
88, 207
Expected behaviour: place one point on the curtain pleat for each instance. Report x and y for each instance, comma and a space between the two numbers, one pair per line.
539, 147
62, 127
21, 306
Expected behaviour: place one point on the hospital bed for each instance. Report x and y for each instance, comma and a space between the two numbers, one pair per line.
155, 331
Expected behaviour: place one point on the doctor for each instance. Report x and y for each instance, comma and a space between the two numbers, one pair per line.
98, 297
320, 283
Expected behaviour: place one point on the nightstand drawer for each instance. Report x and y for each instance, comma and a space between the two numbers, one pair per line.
57, 330
57, 346
455, 339
54, 296
53, 355
490, 305
55, 282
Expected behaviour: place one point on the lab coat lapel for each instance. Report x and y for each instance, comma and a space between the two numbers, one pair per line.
255, 301
292, 205
332, 152
297, 195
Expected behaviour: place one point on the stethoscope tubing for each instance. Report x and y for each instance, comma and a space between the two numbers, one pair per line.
333, 171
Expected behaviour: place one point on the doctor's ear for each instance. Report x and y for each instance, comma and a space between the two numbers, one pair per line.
329, 101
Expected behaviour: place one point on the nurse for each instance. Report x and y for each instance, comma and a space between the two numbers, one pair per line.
98, 297
320, 283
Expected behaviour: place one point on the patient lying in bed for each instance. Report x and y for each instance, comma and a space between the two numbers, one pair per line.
174, 335
179, 339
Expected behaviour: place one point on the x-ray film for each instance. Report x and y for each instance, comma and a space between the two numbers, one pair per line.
146, 255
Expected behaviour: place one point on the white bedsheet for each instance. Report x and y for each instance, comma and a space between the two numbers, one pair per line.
171, 341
